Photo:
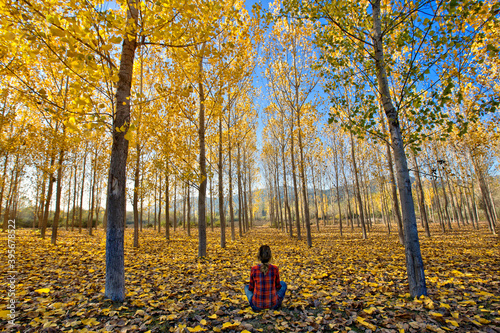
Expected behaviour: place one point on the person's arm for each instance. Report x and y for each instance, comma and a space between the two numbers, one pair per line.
277, 280
252, 281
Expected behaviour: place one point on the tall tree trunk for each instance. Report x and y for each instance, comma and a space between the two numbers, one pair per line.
41, 201
468, 212
58, 197
287, 205
141, 222
37, 199
4, 180
358, 190
149, 210
240, 196
295, 190
446, 203
115, 264
90, 221
280, 208
159, 203
315, 197
82, 191
336, 167
188, 210
98, 201
438, 202
349, 214
49, 196
364, 188
137, 180
421, 201
202, 193
244, 195
175, 205
414, 262
230, 197
452, 197
167, 206
474, 206
394, 190
488, 207
250, 196
493, 208
384, 208
324, 200
211, 205
135, 202
14, 197
461, 207
184, 203
154, 201
304, 185
245, 200
338, 202
222, 218
69, 200
4, 183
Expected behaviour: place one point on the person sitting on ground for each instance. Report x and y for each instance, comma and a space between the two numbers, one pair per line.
265, 290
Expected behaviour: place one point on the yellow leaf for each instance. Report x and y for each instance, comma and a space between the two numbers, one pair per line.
203, 322
435, 314
482, 320
57, 305
90, 322
4, 313
49, 324
116, 40
171, 317
196, 329
10, 36
443, 305
454, 323
57, 32
362, 321
454, 315
214, 316
370, 310
231, 325
43, 290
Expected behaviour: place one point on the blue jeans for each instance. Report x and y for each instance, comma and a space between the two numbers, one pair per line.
281, 296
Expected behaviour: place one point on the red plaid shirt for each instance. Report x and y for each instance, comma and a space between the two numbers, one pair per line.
264, 287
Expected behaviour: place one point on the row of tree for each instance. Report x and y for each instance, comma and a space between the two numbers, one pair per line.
151, 100
171, 81
406, 75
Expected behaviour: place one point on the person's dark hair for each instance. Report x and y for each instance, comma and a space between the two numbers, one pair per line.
265, 257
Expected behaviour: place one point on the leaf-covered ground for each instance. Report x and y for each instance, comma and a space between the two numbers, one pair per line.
342, 284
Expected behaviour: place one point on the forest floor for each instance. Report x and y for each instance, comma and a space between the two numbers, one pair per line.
341, 284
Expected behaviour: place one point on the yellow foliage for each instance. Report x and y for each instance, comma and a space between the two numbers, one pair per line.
167, 285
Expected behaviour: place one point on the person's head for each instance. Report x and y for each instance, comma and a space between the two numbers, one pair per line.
265, 257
